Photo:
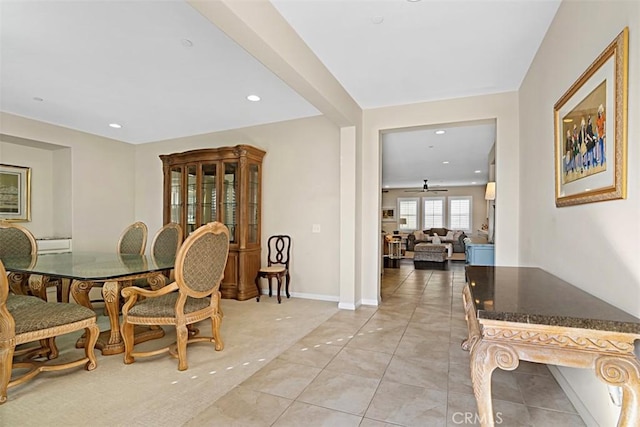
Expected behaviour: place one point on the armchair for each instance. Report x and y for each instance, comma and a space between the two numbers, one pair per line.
194, 296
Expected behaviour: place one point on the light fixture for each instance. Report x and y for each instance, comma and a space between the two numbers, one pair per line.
37, 99
377, 20
440, 132
478, 171
473, 182
115, 125
445, 162
253, 98
490, 193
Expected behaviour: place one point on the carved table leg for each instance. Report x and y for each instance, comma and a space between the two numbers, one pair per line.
38, 286
485, 358
80, 292
110, 294
625, 373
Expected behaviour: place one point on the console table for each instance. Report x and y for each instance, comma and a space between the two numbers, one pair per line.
518, 313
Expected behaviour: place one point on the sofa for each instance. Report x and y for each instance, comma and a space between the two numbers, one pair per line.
455, 237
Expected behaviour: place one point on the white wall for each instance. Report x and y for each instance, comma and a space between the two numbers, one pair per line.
102, 183
502, 107
593, 246
301, 187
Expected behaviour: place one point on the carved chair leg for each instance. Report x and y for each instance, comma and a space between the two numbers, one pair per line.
270, 293
279, 277
92, 333
215, 332
127, 337
6, 361
257, 281
182, 335
287, 286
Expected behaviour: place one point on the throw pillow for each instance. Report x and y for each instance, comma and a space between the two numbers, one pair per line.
436, 240
457, 234
449, 236
419, 235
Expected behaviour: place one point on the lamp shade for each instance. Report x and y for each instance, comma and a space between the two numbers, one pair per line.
402, 221
490, 193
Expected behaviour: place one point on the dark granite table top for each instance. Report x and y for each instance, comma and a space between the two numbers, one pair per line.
532, 295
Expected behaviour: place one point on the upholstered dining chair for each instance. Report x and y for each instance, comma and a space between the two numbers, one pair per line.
278, 254
192, 297
166, 243
16, 240
133, 239
27, 318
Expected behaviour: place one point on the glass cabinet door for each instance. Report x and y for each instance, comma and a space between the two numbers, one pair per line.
176, 203
191, 193
208, 191
230, 200
253, 200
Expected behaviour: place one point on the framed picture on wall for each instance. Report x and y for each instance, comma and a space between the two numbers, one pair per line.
15, 193
590, 124
388, 214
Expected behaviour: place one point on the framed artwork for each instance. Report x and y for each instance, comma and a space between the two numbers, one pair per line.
590, 124
388, 214
15, 193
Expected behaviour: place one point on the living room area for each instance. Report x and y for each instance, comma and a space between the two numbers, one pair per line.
438, 192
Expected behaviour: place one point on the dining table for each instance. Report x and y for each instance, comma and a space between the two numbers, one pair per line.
80, 271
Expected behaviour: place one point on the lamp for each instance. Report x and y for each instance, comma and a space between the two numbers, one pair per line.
490, 193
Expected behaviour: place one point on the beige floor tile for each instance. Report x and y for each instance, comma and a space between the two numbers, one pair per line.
340, 391
421, 372
364, 363
242, 407
385, 340
282, 378
408, 405
302, 414
545, 417
543, 392
419, 345
309, 352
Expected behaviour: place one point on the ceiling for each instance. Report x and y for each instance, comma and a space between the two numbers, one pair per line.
162, 70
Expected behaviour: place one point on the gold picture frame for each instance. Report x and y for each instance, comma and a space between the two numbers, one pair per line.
15, 193
590, 126
388, 214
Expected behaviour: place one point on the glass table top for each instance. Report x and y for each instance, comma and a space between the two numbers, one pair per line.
88, 266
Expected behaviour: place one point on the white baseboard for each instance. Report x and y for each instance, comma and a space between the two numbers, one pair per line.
582, 409
372, 302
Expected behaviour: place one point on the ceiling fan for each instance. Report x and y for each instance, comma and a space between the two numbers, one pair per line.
425, 189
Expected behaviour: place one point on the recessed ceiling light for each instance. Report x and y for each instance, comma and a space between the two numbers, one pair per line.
377, 19
440, 132
478, 171
253, 98
413, 1
473, 182
186, 43
115, 125
431, 146
37, 98
445, 162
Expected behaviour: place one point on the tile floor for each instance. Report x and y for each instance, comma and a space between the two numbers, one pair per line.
303, 362
399, 365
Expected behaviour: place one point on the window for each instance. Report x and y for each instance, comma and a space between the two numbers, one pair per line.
408, 209
433, 210
460, 213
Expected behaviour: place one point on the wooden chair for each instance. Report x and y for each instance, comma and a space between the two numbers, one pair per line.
165, 245
199, 269
277, 264
133, 240
16, 240
25, 319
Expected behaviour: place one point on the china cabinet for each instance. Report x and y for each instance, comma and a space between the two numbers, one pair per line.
220, 184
